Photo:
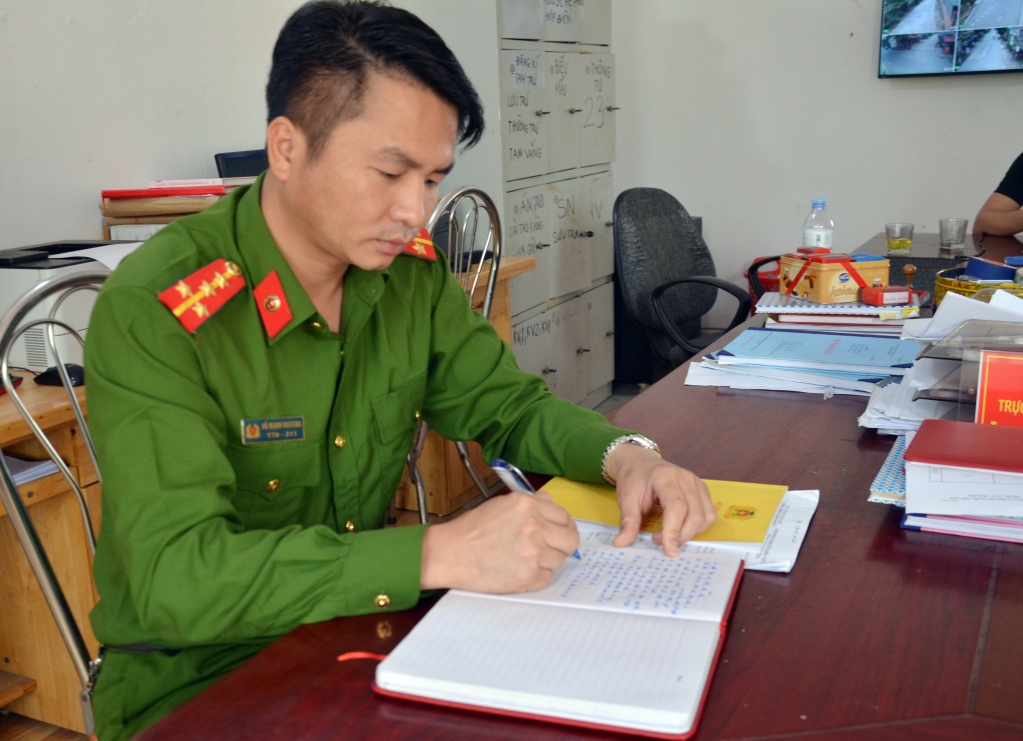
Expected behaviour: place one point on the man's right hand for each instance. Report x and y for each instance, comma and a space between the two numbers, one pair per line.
511, 543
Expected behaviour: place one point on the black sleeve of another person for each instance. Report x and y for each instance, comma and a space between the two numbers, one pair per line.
1012, 184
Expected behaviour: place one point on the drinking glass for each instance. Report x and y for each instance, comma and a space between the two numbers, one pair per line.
952, 232
900, 238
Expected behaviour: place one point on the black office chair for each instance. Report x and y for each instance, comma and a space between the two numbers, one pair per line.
666, 273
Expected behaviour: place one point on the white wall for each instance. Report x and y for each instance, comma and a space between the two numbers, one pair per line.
98, 94
115, 93
746, 110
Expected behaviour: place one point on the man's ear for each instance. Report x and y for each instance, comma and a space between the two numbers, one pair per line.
285, 147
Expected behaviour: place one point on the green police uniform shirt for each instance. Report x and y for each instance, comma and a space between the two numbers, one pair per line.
211, 547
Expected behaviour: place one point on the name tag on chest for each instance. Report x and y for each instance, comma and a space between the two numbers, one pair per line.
272, 430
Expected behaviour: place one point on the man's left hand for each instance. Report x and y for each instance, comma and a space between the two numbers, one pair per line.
645, 479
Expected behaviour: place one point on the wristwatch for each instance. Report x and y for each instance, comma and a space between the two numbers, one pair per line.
641, 440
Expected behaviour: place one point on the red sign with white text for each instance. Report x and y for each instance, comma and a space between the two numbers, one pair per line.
1000, 389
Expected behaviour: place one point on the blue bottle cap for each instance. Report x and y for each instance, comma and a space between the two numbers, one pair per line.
820, 202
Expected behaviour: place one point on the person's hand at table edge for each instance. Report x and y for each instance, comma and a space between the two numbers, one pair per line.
643, 479
511, 543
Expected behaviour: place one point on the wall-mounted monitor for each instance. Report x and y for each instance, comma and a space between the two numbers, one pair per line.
950, 37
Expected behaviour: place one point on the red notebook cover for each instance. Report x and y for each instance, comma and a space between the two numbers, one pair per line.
584, 724
209, 190
968, 445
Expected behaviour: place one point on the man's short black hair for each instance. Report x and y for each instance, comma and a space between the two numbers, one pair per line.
327, 49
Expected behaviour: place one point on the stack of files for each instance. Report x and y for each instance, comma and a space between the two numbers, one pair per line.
891, 409
820, 362
965, 478
764, 524
624, 640
138, 214
23, 471
797, 313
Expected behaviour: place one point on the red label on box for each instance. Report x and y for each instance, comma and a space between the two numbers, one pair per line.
1000, 389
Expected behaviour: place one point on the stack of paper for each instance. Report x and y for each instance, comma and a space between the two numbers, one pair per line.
965, 479
24, 471
797, 313
820, 362
891, 409
764, 524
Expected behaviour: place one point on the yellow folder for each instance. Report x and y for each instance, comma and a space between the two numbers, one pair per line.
744, 510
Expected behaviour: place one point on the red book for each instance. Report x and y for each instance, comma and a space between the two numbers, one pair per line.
209, 190
967, 445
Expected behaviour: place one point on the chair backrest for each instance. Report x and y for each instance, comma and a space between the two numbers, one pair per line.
13, 324
466, 227
656, 241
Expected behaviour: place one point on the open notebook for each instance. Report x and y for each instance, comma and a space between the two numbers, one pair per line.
624, 639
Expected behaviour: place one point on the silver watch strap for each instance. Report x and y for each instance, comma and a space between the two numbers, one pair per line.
642, 440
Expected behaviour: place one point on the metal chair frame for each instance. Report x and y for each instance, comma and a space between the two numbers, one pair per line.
12, 326
461, 240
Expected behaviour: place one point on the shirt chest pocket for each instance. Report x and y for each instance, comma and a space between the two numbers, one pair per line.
279, 484
396, 414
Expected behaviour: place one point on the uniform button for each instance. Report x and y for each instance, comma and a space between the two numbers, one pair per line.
272, 303
418, 415
382, 601
272, 486
350, 526
317, 325
339, 441
342, 353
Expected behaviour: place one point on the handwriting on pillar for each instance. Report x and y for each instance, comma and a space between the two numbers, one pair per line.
523, 101
563, 12
526, 228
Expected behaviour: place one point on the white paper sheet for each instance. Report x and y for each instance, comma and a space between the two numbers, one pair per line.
109, 255
956, 309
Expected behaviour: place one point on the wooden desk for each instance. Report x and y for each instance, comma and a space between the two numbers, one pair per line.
886, 633
30, 644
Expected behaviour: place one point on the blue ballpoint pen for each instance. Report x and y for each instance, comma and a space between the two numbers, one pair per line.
513, 478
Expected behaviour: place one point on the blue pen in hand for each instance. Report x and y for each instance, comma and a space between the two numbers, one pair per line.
515, 480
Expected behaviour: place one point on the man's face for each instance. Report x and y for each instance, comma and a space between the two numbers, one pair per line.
376, 181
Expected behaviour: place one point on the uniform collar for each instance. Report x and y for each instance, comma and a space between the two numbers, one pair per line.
260, 255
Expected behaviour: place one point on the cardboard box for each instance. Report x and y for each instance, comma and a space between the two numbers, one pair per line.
831, 279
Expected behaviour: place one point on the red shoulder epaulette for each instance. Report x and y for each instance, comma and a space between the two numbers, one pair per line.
199, 296
421, 247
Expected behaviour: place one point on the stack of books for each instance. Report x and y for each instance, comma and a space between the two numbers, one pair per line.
810, 361
963, 478
799, 314
136, 215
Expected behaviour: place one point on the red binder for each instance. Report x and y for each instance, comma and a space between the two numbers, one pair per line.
209, 190
967, 445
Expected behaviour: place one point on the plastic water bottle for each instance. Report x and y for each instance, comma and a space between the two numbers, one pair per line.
818, 229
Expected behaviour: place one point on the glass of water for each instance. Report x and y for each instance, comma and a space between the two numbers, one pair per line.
952, 232
900, 238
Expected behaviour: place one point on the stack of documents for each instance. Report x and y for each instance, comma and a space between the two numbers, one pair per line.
764, 524
24, 471
891, 409
965, 479
817, 362
799, 314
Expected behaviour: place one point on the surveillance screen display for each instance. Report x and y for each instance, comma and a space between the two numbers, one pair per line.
948, 37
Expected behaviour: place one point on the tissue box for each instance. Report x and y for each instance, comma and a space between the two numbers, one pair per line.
831, 279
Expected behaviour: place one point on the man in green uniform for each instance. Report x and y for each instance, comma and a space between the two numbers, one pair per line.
256, 373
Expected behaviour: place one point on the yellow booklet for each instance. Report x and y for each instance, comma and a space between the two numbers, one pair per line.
744, 510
